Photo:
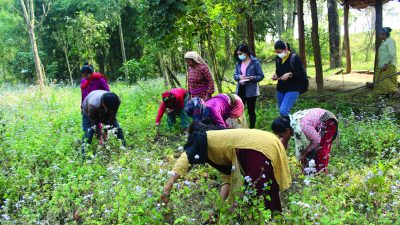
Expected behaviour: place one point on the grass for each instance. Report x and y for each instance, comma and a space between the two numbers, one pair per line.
44, 180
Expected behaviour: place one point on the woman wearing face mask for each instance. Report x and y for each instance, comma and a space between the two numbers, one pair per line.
248, 73
291, 77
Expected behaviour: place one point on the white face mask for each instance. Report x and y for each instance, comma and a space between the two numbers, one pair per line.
281, 55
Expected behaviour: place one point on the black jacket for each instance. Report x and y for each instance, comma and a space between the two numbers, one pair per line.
295, 83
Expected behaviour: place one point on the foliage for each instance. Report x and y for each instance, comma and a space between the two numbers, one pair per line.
44, 180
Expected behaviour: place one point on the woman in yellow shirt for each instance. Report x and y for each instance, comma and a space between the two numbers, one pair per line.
386, 81
253, 157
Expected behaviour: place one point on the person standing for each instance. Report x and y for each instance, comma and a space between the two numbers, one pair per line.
200, 81
291, 76
92, 81
386, 82
248, 73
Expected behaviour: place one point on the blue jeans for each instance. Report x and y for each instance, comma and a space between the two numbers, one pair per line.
286, 101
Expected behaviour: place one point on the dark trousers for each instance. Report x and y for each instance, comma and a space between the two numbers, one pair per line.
259, 168
251, 105
89, 130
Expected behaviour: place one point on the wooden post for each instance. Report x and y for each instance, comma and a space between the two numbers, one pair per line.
346, 36
378, 29
302, 42
319, 77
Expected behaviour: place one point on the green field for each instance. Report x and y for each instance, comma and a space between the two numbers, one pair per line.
44, 181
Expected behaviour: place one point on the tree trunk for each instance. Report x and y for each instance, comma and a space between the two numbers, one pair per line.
334, 35
217, 75
68, 66
30, 23
163, 72
279, 18
302, 42
250, 30
317, 50
121, 40
378, 28
346, 36
290, 15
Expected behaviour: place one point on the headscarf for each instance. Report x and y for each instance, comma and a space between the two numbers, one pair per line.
196, 109
387, 30
195, 56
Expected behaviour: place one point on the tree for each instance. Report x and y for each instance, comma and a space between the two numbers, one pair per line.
334, 35
317, 49
346, 36
279, 17
302, 44
378, 28
29, 16
290, 15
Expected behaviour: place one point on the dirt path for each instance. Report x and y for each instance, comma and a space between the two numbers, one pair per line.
344, 82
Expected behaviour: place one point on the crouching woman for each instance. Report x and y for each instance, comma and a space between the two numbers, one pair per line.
256, 155
314, 131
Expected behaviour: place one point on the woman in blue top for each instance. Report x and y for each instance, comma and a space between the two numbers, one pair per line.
248, 73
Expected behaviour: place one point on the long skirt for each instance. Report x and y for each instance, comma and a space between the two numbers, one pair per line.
259, 168
386, 83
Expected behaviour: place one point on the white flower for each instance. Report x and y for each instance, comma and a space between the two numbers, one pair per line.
380, 173
180, 148
147, 160
197, 157
311, 163
187, 183
248, 179
371, 193
266, 162
6, 217
233, 167
307, 182
263, 176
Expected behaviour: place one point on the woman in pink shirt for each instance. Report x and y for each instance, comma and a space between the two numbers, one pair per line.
248, 73
313, 130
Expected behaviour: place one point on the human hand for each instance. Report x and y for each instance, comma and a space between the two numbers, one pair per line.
164, 198
285, 76
241, 77
274, 77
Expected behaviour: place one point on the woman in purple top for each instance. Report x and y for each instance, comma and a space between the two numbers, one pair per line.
92, 81
216, 110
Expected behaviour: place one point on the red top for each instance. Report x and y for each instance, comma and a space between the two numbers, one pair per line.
177, 103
